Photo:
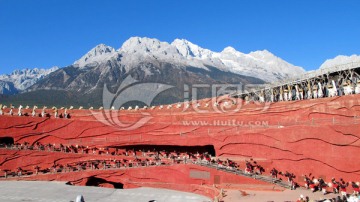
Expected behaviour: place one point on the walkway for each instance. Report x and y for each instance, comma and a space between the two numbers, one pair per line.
20, 191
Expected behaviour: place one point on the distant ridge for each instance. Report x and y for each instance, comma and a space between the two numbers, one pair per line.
260, 64
20, 80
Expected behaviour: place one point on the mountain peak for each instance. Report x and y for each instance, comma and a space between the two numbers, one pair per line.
183, 42
190, 50
184, 47
136, 44
99, 52
181, 52
262, 54
229, 49
23, 79
340, 59
28, 71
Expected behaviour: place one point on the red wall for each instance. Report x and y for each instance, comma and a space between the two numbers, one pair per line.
311, 136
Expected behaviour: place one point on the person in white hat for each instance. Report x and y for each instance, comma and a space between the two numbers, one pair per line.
80, 198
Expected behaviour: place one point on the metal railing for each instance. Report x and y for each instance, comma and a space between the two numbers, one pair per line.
255, 176
306, 76
316, 73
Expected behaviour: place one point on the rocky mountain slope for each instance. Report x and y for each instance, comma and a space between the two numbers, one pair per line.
20, 80
7, 88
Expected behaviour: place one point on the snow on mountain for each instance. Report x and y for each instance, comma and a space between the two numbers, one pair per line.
137, 49
151, 56
259, 64
23, 79
190, 50
100, 53
340, 60
7, 88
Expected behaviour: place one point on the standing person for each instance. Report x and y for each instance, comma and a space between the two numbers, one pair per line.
11, 110
307, 182
292, 184
67, 168
104, 164
343, 186
55, 112
37, 170
355, 187
80, 198
5, 173
301, 199
65, 113
19, 171
33, 112
78, 165
322, 186
291, 177
335, 186
53, 168
274, 173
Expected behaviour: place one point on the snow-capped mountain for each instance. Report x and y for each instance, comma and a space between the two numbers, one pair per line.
100, 53
148, 61
259, 64
340, 60
152, 61
178, 63
20, 80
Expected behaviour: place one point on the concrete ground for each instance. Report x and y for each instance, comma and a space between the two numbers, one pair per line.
27, 191
277, 196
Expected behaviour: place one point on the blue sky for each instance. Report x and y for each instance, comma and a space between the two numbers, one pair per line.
45, 33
